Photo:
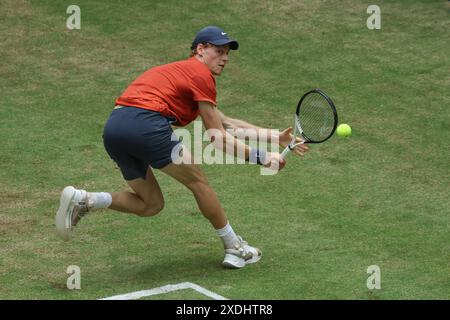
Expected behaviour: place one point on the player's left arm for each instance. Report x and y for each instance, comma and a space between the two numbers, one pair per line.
284, 137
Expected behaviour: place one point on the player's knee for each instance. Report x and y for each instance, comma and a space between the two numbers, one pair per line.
152, 209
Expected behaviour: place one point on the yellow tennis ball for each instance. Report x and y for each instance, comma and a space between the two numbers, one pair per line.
344, 130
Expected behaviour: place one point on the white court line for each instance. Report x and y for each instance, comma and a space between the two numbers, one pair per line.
165, 289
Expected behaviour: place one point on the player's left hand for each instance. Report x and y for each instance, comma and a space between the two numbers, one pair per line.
286, 137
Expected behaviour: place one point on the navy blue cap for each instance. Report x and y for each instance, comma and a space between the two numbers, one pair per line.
214, 35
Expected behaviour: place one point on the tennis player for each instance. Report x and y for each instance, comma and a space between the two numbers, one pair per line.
138, 137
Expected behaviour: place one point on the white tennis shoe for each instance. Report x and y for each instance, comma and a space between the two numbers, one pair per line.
241, 255
72, 207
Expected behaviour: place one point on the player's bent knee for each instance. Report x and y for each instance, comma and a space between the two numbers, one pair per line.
152, 210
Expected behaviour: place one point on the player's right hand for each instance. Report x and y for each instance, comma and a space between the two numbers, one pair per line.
274, 161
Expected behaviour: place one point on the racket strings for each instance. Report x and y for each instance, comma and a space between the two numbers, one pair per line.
317, 118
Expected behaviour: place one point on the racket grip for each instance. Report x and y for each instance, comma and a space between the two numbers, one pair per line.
285, 152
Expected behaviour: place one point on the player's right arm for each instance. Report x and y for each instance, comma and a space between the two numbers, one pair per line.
234, 126
226, 142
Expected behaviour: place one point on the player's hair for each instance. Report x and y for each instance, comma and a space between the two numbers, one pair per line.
194, 48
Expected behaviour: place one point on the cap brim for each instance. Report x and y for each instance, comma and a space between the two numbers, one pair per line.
234, 45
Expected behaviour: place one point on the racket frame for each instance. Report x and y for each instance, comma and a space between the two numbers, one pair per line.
298, 127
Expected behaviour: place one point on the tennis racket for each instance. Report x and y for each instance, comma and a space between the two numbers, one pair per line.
315, 120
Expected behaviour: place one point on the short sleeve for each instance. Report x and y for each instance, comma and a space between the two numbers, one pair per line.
204, 88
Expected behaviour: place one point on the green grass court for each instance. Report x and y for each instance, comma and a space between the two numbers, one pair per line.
380, 197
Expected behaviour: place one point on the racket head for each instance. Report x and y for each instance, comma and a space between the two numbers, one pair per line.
316, 116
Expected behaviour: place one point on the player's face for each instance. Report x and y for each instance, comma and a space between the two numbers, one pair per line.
215, 57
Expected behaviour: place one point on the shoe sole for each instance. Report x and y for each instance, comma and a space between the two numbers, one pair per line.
233, 262
63, 225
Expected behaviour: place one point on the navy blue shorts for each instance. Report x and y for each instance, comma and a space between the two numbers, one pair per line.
136, 138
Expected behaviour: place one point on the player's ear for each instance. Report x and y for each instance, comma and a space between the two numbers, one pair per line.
201, 48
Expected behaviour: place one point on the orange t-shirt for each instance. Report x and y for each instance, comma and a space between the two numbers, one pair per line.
172, 89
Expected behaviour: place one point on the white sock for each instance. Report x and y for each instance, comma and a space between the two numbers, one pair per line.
99, 200
227, 235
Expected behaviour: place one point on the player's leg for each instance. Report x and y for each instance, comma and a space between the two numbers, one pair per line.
146, 200
126, 139
237, 252
193, 178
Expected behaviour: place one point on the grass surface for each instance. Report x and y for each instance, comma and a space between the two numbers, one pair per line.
378, 198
